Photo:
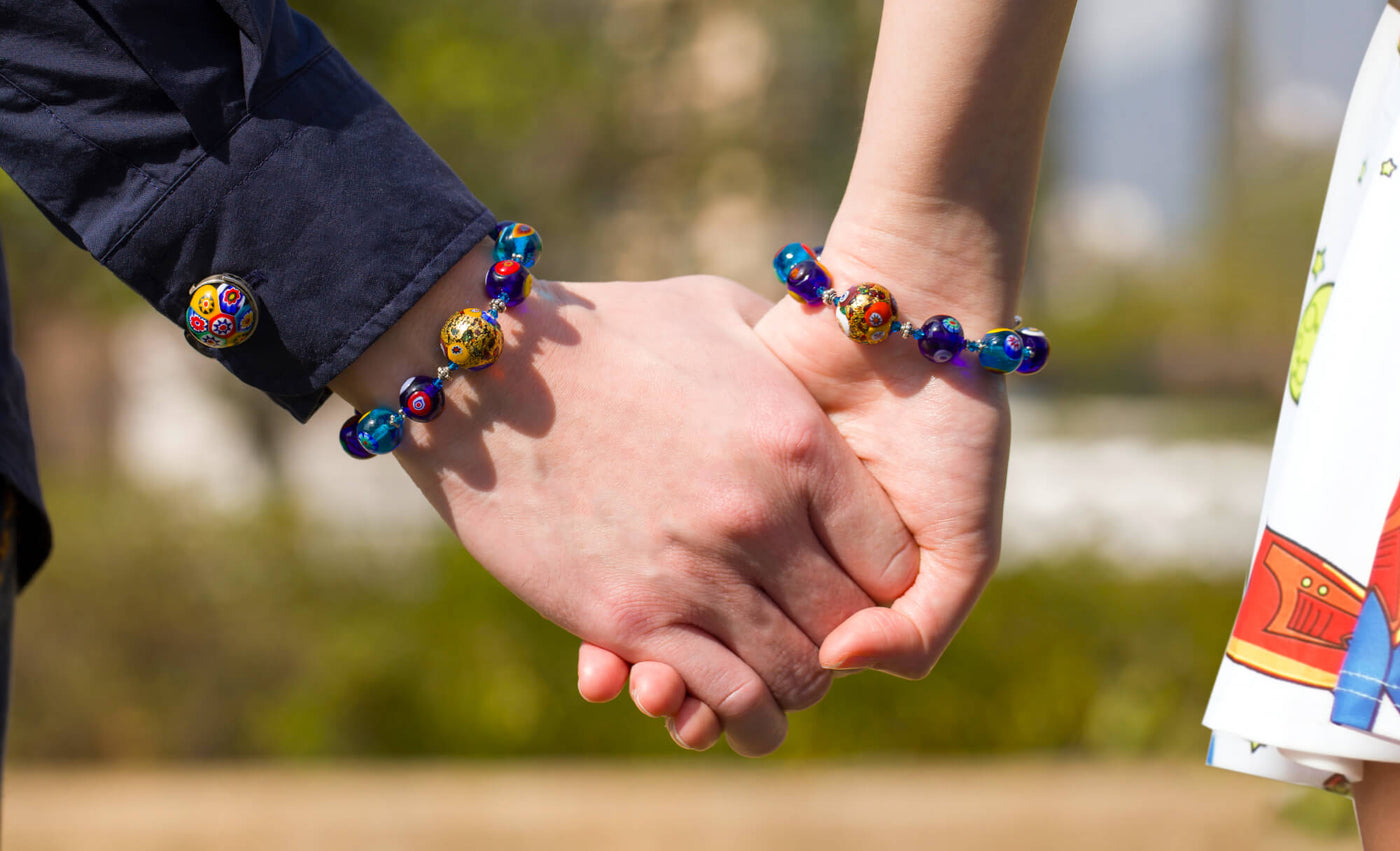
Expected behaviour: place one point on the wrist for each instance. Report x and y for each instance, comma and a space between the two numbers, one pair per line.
942, 255
410, 346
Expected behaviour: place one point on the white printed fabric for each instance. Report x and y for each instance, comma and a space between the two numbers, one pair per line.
1310, 683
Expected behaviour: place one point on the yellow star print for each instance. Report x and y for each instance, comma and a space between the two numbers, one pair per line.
1388, 167
1318, 262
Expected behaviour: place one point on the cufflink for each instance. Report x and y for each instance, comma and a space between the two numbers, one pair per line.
222, 313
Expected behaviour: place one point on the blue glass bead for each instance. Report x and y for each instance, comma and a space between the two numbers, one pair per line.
421, 398
807, 281
519, 242
380, 431
790, 255
1037, 351
1001, 350
349, 442
508, 281
941, 339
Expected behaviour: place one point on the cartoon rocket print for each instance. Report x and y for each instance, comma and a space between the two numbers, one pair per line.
1305, 621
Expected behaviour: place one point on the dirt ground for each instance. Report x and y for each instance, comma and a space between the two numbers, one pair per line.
622, 805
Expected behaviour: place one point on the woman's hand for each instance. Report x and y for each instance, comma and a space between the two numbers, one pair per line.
937, 209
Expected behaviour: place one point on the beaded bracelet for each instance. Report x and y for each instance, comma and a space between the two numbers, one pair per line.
470, 339
867, 314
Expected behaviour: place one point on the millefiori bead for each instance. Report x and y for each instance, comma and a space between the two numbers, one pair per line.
1001, 350
348, 440
380, 431
790, 255
807, 281
421, 398
507, 284
519, 242
221, 313
867, 313
942, 339
471, 339
1037, 351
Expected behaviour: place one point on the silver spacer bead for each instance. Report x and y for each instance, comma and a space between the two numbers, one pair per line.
498, 305
444, 373
906, 329
832, 298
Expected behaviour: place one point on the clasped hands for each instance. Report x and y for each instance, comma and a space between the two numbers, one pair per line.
725, 495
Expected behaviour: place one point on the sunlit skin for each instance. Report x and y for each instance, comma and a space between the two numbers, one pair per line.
641, 470
938, 210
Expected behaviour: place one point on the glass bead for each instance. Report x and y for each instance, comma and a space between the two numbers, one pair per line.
508, 283
807, 281
222, 312
421, 398
790, 255
380, 431
471, 339
1037, 351
350, 442
942, 339
519, 242
867, 313
1001, 350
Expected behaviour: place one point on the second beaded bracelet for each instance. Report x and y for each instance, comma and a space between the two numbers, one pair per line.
867, 313
470, 339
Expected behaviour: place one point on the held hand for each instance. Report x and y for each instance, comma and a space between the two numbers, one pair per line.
642, 471
934, 436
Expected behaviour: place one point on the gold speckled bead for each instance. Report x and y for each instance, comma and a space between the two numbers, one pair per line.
867, 313
471, 338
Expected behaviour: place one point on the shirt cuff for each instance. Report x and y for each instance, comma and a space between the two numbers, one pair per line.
346, 214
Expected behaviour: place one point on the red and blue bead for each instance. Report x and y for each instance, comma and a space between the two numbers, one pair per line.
508, 282
420, 398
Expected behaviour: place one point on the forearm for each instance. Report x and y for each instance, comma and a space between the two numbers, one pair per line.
954, 124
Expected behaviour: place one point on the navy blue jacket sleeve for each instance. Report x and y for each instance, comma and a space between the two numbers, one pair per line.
174, 139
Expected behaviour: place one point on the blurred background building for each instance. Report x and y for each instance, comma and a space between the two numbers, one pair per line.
284, 612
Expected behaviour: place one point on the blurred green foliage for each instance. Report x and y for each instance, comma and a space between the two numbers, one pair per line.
624, 129
1320, 813
206, 637
161, 631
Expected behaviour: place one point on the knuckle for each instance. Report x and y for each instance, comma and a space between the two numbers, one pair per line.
794, 440
735, 513
746, 697
805, 687
632, 615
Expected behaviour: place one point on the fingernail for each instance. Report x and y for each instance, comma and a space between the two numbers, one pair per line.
854, 663
675, 737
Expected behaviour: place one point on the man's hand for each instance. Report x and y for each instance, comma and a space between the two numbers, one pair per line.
639, 468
